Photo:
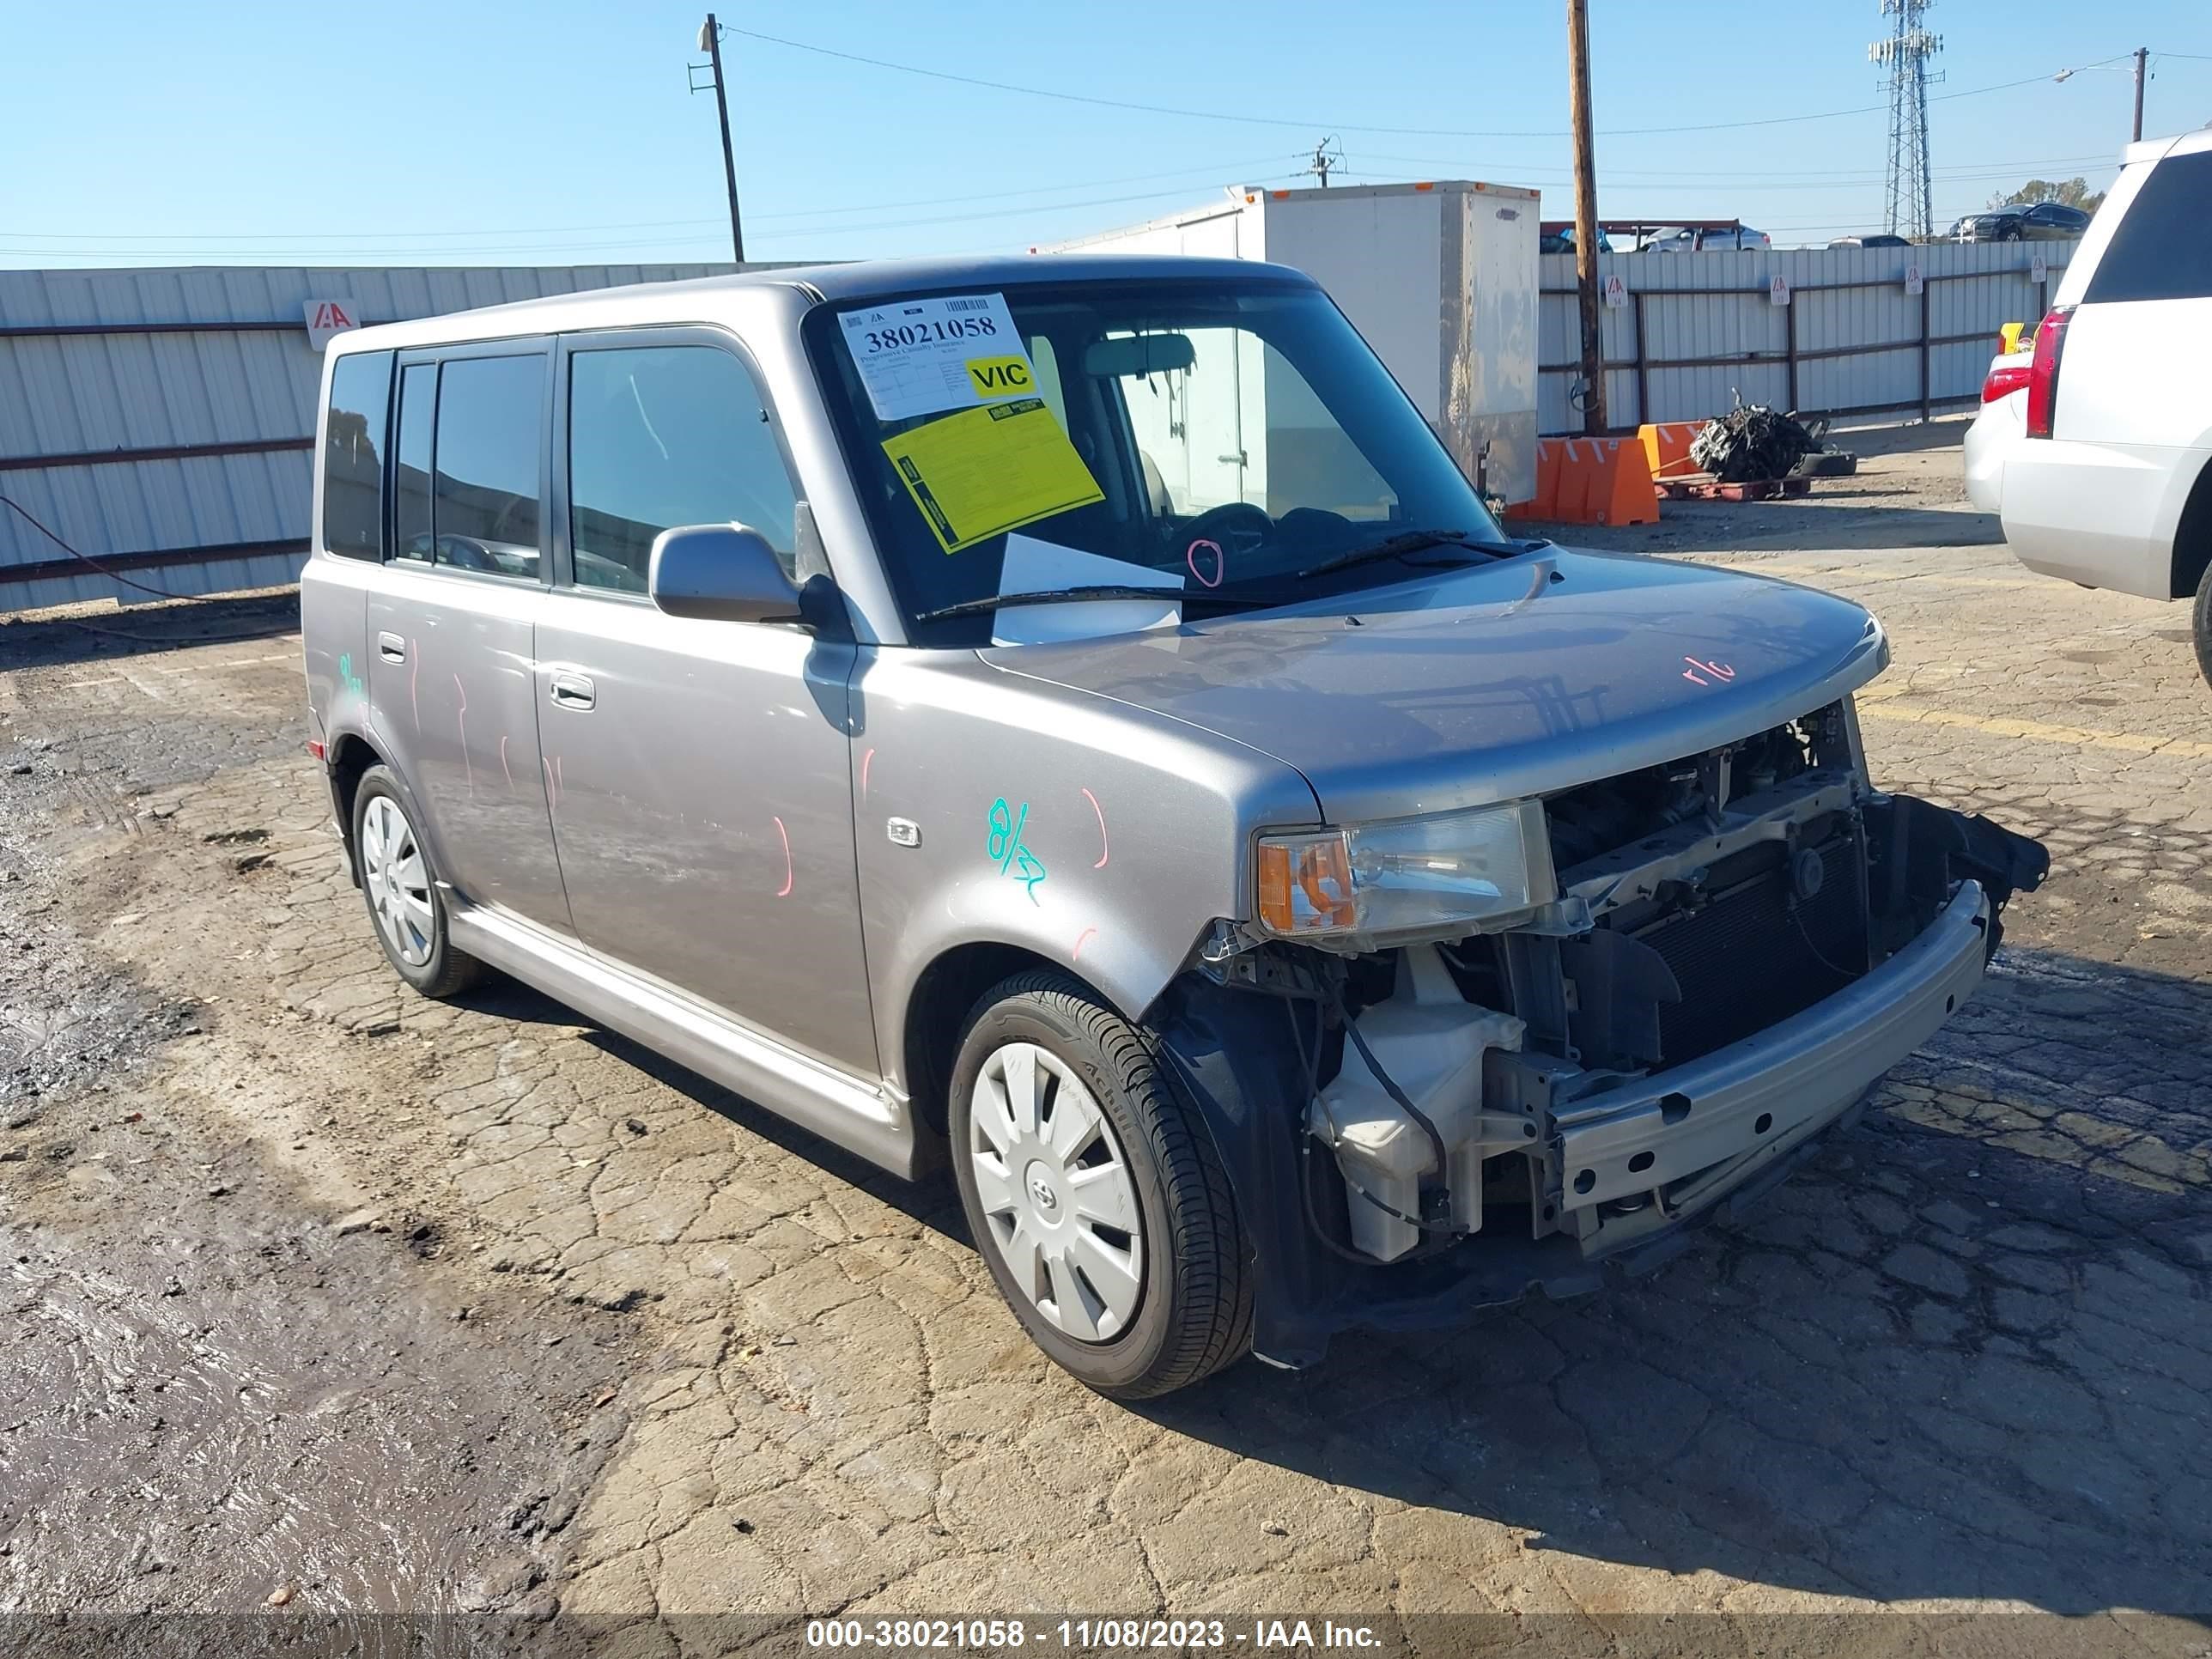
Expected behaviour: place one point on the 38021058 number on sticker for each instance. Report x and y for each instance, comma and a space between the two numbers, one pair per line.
923, 357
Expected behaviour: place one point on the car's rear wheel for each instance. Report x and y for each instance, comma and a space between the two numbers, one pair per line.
404, 901
1095, 1193
2201, 619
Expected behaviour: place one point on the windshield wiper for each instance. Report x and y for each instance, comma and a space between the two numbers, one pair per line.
1107, 590
1414, 541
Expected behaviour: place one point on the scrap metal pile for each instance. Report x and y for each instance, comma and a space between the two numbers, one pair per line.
1752, 441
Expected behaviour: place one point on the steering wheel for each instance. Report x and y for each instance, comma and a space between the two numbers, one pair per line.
1223, 523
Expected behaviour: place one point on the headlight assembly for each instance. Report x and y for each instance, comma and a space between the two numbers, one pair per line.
1406, 875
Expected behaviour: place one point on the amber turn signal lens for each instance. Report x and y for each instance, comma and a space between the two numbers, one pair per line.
1306, 884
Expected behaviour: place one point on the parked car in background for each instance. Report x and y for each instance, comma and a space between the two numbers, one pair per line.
1881, 239
2110, 484
2044, 222
1702, 241
1289, 902
1561, 240
1998, 425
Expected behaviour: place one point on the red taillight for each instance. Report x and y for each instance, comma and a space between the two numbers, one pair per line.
2043, 370
2005, 380
315, 747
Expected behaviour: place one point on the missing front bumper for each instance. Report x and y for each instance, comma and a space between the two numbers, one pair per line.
1688, 1135
1937, 883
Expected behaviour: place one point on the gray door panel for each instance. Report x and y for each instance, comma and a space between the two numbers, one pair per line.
456, 711
450, 643
701, 803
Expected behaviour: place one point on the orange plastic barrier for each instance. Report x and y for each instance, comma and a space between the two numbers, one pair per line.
1667, 446
1620, 491
1590, 480
1547, 497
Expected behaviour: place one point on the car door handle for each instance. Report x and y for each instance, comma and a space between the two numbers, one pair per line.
573, 691
391, 647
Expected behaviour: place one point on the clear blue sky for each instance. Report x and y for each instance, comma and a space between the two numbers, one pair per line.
251, 132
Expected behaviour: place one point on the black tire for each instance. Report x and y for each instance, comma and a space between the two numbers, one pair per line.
2200, 620
2012, 234
446, 971
1194, 1313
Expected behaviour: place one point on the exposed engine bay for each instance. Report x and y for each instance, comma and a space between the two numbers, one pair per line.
1593, 1072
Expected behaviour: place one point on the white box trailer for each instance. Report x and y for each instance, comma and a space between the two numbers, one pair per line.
1441, 279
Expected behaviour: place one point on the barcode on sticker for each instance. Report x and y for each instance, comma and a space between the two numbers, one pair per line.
967, 305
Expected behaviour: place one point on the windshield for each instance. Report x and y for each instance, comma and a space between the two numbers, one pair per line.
1212, 437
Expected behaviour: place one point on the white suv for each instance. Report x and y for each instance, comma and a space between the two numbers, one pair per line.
2110, 484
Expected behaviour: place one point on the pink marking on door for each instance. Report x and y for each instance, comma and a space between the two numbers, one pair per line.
864, 760
462, 717
1081, 940
1105, 848
785, 891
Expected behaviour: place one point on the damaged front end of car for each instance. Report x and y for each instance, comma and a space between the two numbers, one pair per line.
1459, 1058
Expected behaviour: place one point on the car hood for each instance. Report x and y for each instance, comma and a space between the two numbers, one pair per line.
1504, 680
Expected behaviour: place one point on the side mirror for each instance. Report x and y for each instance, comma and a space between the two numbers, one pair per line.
720, 573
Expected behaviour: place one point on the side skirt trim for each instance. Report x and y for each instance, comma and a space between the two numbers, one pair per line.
865, 1120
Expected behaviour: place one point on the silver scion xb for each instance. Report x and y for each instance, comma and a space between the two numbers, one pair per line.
1071, 717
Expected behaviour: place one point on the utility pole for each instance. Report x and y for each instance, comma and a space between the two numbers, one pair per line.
710, 42
1578, 104
2142, 57
1325, 159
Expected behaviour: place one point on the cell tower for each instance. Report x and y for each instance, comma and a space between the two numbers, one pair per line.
1904, 54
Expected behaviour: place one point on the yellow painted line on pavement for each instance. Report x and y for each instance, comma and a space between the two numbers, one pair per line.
2132, 743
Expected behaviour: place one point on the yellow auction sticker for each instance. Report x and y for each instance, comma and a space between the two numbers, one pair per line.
984, 471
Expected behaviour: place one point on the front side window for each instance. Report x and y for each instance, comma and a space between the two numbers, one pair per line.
352, 454
660, 436
1226, 434
485, 508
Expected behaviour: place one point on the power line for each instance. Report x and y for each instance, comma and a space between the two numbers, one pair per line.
1521, 174
579, 247
1691, 184
252, 241
1346, 126
258, 242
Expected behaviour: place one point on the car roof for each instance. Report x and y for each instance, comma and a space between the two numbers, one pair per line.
709, 296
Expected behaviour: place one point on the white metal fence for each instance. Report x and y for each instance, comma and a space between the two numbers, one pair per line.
1696, 329
159, 421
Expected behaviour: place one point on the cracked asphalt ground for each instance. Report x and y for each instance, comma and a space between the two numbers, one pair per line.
316, 1290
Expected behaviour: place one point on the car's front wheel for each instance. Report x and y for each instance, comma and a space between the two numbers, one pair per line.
404, 901
1095, 1193
2200, 617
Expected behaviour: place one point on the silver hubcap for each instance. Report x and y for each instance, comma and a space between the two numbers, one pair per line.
1056, 1193
398, 885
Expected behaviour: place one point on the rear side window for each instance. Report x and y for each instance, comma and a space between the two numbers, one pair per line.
660, 436
2162, 249
484, 502
352, 454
